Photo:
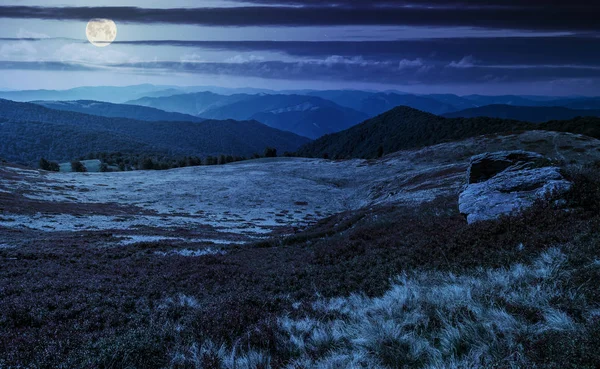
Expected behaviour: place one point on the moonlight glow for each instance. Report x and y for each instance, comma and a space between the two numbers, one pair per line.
101, 32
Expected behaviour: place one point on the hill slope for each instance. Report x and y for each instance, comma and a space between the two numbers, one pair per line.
307, 116
526, 113
115, 94
183, 138
26, 143
405, 128
192, 103
373, 104
159, 255
105, 109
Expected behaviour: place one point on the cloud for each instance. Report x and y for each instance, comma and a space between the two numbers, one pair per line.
584, 50
18, 50
503, 50
86, 53
466, 62
23, 33
535, 4
406, 63
245, 59
45, 66
334, 60
570, 19
330, 70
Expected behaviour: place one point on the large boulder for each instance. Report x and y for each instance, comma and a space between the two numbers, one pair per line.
507, 181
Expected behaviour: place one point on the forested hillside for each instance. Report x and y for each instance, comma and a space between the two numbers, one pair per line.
404, 128
526, 113
61, 135
118, 110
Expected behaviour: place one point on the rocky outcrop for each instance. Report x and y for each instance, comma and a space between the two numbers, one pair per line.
507, 181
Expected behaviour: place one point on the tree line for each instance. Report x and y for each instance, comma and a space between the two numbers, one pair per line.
119, 161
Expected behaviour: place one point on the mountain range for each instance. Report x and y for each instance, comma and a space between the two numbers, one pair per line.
308, 116
29, 131
309, 113
346, 123
111, 110
375, 103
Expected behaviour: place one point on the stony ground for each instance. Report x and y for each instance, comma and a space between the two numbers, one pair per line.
247, 201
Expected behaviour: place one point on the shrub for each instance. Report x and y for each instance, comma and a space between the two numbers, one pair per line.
77, 166
49, 165
270, 152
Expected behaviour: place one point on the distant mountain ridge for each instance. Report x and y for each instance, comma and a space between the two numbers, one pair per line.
308, 116
114, 94
375, 103
192, 103
111, 110
30, 131
536, 114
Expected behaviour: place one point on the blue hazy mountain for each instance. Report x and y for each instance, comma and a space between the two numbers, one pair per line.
375, 103
482, 100
192, 103
585, 103
100, 93
111, 110
308, 116
120, 94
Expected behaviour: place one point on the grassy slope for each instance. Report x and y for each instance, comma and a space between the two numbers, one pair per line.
77, 304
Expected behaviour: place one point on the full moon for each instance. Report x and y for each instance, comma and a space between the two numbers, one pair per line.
101, 32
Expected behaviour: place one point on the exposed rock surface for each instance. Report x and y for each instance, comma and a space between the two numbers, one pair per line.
505, 182
248, 200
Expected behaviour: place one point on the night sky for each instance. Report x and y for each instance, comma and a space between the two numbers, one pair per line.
435, 46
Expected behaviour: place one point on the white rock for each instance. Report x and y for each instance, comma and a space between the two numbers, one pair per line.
511, 189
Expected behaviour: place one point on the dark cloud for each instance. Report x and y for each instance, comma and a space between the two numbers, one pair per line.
542, 18
343, 69
530, 4
360, 70
504, 50
499, 50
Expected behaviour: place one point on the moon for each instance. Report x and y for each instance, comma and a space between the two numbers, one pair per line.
101, 32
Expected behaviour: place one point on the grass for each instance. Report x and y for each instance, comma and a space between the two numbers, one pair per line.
437, 320
383, 287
